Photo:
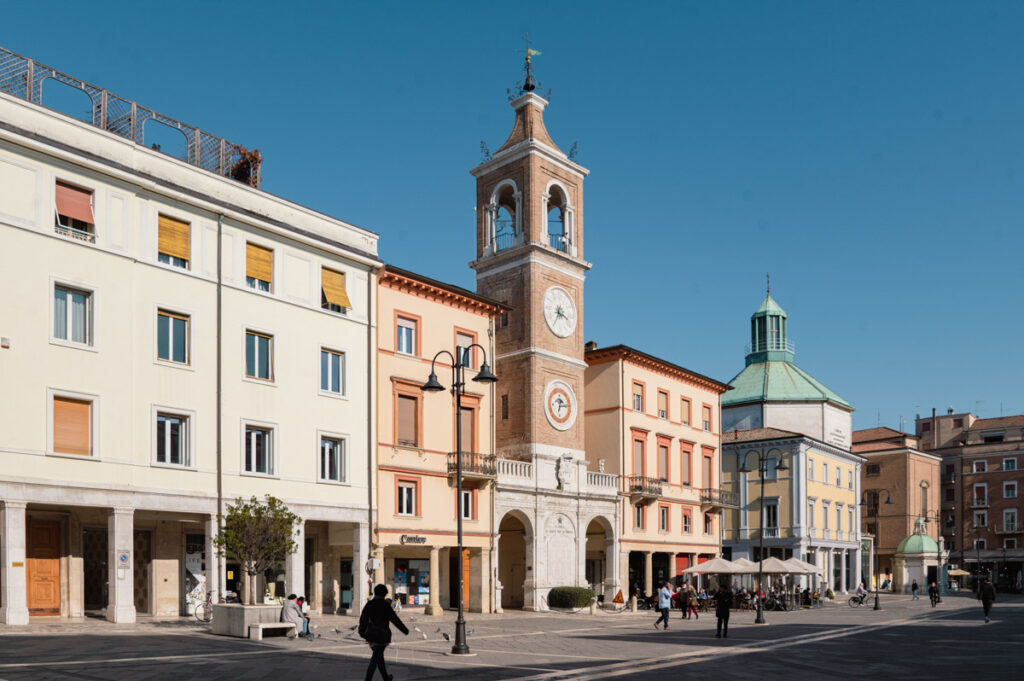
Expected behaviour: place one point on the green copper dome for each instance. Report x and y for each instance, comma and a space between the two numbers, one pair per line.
919, 542
770, 374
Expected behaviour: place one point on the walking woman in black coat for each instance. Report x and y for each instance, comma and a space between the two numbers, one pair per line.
723, 601
375, 626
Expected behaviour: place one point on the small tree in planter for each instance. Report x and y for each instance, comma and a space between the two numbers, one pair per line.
258, 534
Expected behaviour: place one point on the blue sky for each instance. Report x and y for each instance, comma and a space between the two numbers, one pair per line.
867, 154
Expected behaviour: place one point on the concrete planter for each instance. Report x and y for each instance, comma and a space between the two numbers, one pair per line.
233, 619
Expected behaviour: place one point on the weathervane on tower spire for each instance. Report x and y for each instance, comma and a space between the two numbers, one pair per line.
528, 83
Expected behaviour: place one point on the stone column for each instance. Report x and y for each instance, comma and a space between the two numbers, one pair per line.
496, 585
121, 577
611, 582
845, 585
13, 585
855, 565
361, 591
648, 573
213, 563
295, 565
434, 607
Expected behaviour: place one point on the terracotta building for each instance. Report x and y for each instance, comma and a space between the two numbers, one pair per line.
981, 491
896, 469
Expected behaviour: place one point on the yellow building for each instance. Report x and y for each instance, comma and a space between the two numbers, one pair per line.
415, 540
656, 426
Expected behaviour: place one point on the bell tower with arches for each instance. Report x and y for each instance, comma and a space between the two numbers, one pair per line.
529, 255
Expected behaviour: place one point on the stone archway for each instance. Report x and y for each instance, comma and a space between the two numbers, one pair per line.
515, 539
600, 558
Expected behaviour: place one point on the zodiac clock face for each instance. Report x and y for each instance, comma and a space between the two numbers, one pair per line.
560, 405
559, 311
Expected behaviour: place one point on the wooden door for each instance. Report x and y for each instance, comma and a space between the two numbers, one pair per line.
43, 567
465, 578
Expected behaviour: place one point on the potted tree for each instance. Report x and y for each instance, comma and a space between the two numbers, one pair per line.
258, 534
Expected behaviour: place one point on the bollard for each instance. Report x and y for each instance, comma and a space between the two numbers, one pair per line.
593, 605
632, 603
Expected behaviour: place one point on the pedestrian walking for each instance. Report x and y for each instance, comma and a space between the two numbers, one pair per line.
987, 596
933, 594
914, 588
723, 602
684, 599
692, 602
664, 604
375, 627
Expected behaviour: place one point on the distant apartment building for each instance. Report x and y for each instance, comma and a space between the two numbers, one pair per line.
779, 419
981, 491
418, 496
173, 338
896, 470
655, 425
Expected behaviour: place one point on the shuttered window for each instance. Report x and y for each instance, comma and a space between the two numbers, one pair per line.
74, 212
334, 297
467, 429
175, 245
259, 267
706, 413
663, 462
463, 351
638, 457
684, 460
638, 397
662, 405
684, 411
72, 426
408, 431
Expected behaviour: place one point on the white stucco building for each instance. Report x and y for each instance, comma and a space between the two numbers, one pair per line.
173, 339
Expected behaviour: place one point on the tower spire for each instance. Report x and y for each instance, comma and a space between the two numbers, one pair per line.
768, 276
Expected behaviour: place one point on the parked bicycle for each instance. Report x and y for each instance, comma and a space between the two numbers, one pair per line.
204, 609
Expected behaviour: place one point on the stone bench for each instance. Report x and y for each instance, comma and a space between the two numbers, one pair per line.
256, 630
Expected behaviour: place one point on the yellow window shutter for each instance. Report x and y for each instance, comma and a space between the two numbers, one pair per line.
259, 263
174, 238
71, 421
333, 284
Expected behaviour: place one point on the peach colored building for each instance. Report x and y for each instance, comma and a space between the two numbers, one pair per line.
897, 469
656, 426
414, 539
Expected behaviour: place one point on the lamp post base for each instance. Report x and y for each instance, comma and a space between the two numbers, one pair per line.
760, 615
877, 606
460, 647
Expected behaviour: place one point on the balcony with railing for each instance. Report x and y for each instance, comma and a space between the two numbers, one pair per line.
73, 233
23, 78
771, 532
719, 498
979, 502
639, 486
1012, 527
474, 466
602, 483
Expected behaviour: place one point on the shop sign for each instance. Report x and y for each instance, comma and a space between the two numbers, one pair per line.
412, 539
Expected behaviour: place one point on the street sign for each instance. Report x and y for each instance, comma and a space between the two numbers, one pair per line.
123, 559
618, 597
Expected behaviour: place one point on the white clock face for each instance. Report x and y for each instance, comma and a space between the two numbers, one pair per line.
560, 405
559, 311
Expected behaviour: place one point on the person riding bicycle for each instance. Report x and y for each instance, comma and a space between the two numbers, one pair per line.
861, 591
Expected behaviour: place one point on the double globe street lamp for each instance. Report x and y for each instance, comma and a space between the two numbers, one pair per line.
876, 495
485, 376
762, 470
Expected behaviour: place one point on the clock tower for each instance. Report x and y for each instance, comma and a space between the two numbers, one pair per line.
529, 255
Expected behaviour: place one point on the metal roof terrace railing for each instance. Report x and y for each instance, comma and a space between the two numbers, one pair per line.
770, 344
23, 78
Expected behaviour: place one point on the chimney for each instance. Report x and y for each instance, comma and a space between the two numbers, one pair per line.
935, 430
590, 346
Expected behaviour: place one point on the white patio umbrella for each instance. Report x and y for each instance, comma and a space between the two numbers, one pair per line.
801, 567
744, 566
715, 566
774, 566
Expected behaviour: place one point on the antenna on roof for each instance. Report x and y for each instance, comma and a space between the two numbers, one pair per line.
768, 276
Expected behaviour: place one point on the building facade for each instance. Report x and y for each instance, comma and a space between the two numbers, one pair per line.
654, 425
776, 412
179, 339
896, 470
553, 514
981, 491
415, 539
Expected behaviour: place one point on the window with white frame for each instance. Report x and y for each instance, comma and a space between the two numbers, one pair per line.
663, 518
839, 518
1010, 520
638, 397
709, 523
687, 523
332, 372
259, 454
827, 506
1010, 490
1010, 464
74, 208
771, 515
810, 513
824, 472
172, 439
407, 497
172, 337
771, 472
850, 521
981, 518
466, 504
849, 479
980, 544
406, 336
980, 466
333, 465
810, 469
72, 314
839, 477
464, 352
259, 355
980, 493
1010, 543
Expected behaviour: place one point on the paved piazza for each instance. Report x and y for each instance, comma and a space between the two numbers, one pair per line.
906, 639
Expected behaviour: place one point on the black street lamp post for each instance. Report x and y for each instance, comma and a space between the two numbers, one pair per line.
937, 517
432, 385
762, 471
876, 494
